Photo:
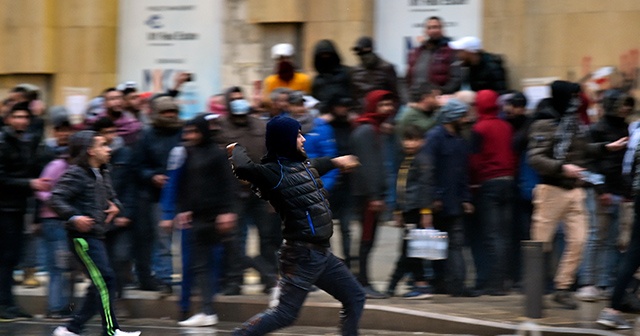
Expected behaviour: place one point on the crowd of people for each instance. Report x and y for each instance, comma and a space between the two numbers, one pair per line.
463, 154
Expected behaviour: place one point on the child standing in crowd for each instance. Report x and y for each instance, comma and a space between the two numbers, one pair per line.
413, 208
85, 198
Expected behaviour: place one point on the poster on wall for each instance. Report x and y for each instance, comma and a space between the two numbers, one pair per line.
398, 24
159, 39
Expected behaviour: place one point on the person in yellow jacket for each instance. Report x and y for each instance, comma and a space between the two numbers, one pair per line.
285, 75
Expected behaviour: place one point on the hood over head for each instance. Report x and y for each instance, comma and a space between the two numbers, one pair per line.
201, 123
326, 57
282, 139
561, 94
487, 103
374, 97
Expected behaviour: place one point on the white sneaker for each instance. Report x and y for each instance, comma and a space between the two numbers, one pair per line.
125, 333
588, 294
200, 320
63, 331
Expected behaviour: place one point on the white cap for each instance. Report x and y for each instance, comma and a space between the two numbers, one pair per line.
282, 49
468, 43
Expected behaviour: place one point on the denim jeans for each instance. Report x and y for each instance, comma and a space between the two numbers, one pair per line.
301, 267
162, 259
601, 255
629, 263
58, 263
11, 243
495, 209
92, 255
186, 252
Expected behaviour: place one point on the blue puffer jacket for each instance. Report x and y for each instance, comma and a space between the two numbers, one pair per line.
321, 142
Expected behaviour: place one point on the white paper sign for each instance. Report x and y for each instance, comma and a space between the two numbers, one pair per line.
398, 23
158, 39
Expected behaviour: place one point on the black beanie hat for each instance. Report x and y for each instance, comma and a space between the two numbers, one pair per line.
282, 137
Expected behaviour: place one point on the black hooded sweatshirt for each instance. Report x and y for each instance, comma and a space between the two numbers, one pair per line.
333, 77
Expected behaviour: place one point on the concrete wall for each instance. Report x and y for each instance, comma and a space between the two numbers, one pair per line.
566, 38
58, 43
72, 43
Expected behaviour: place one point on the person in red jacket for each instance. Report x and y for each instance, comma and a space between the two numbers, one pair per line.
493, 167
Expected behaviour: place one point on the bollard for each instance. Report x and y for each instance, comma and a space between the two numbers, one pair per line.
534, 271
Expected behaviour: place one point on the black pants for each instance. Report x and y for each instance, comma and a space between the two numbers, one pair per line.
405, 264
452, 270
630, 262
11, 244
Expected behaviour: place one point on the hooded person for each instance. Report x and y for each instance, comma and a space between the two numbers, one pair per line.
559, 149
201, 193
492, 166
292, 185
368, 181
332, 77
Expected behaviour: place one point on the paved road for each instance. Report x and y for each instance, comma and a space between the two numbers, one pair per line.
153, 327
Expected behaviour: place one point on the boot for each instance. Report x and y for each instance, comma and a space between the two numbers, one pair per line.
30, 280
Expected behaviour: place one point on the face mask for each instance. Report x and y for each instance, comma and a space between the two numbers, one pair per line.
368, 60
285, 71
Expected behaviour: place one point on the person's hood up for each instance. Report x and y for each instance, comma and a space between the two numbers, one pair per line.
487, 104
282, 139
372, 99
202, 125
324, 65
561, 94
79, 143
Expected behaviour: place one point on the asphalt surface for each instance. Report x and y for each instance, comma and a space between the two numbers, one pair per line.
165, 327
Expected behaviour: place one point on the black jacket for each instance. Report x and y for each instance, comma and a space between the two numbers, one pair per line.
295, 191
151, 154
333, 78
417, 192
78, 193
19, 164
609, 129
488, 74
122, 175
368, 77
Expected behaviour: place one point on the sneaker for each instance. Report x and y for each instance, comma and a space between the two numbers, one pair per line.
7, 315
63, 331
373, 294
166, 290
125, 333
612, 319
19, 313
418, 293
588, 294
565, 299
630, 303
231, 290
199, 320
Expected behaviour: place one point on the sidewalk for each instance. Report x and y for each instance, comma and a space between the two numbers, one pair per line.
483, 315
